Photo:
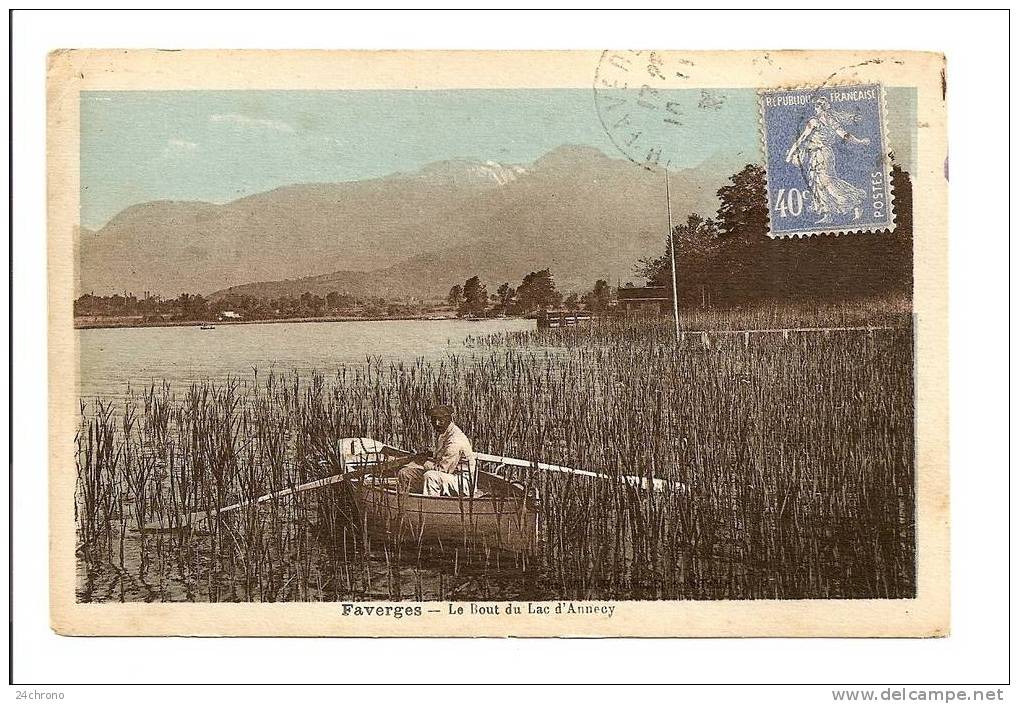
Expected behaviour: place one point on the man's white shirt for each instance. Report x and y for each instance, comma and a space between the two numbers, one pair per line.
453, 452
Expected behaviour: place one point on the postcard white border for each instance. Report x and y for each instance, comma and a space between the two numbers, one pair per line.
71, 72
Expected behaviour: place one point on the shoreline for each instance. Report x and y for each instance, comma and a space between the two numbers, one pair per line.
80, 324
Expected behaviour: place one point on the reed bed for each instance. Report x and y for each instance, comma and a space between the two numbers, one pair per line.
788, 463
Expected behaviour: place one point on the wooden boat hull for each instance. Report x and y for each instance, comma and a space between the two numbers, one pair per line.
502, 517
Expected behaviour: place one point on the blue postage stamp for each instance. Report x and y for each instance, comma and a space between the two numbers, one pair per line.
826, 160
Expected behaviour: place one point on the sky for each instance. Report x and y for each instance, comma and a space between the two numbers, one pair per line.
216, 146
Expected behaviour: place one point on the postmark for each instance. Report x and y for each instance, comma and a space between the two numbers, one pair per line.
826, 160
638, 105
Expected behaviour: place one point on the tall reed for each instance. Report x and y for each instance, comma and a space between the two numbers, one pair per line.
788, 462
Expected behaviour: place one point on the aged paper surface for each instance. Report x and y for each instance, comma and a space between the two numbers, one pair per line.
763, 468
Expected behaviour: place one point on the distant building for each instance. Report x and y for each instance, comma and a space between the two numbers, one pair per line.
230, 315
645, 299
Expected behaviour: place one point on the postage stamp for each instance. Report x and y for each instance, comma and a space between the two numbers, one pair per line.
826, 158
432, 344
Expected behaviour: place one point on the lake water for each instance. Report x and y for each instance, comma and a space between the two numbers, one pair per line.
112, 358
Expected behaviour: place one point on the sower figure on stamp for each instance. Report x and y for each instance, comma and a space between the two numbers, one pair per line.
450, 471
814, 151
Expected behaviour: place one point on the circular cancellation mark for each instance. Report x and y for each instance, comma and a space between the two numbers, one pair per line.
635, 93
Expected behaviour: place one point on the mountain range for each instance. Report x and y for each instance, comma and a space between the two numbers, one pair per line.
576, 210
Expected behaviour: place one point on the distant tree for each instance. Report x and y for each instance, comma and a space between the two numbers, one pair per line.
191, 307
572, 302
693, 240
506, 294
538, 291
401, 310
312, 304
503, 300
598, 299
373, 309
333, 300
288, 307
902, 186
743, 205
456, 296
475, 298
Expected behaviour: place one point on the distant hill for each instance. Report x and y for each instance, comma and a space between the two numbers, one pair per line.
576, 210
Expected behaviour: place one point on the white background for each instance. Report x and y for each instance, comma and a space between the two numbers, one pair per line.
976, 652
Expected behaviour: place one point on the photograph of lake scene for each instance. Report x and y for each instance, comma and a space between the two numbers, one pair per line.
472, 345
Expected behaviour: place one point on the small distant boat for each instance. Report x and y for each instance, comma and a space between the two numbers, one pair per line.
207, 327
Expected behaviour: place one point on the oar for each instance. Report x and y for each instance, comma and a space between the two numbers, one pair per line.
657, 484
375, 469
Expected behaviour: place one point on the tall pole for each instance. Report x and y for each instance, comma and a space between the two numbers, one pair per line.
672, 249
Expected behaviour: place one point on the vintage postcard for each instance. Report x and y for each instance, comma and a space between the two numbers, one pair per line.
573, 343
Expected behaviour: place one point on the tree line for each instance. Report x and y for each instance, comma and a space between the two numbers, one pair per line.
729, 259
194, 307
535, 293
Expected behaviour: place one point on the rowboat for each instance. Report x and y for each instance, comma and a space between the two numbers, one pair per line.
498, 515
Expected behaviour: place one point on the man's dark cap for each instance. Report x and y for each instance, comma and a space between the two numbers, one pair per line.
441, 411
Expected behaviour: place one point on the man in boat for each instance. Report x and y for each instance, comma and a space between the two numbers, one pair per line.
451, 469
